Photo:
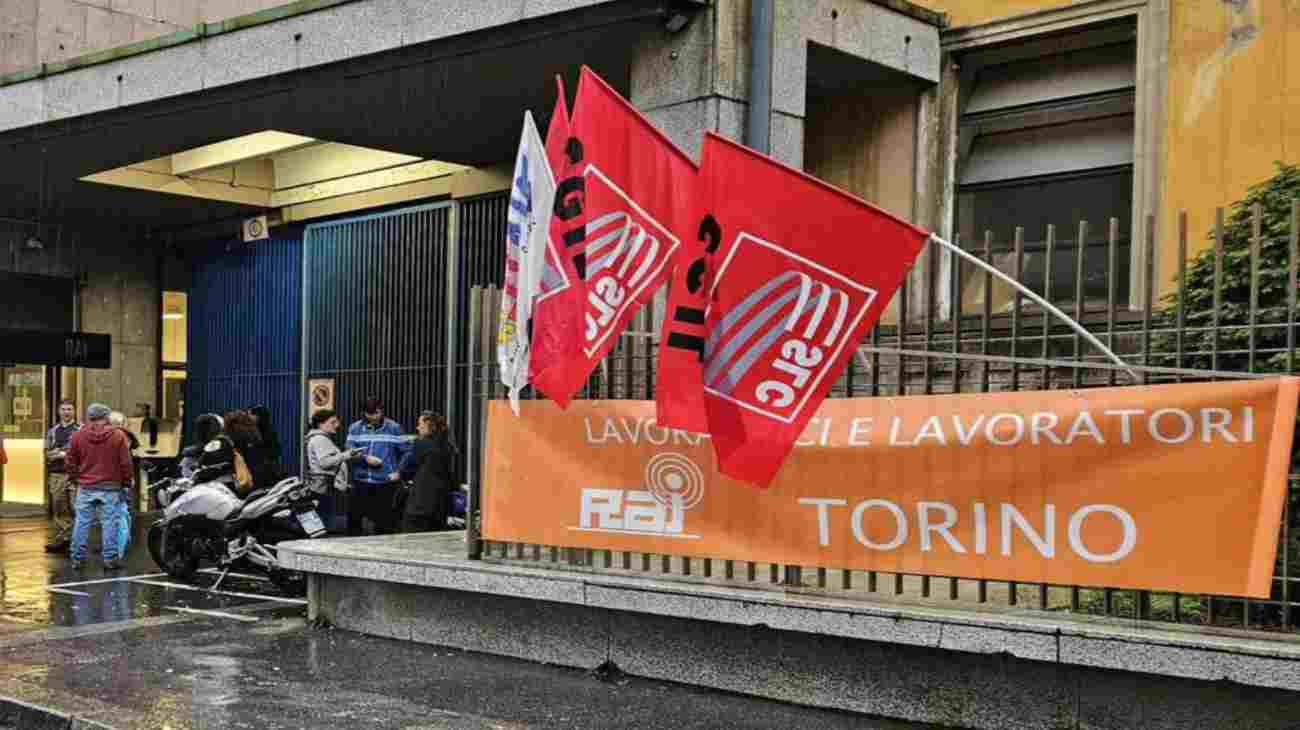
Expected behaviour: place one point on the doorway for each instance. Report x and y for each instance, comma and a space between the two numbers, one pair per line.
24, 408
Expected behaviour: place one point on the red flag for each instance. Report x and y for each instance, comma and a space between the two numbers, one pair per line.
627, 194
679, 387
561, 293
802, 271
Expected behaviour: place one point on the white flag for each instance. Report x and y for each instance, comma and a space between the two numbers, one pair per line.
527, 231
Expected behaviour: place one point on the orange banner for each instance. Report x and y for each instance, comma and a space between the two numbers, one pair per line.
1169, 487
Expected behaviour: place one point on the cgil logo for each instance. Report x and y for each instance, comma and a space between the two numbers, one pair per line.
674, 486
770, 351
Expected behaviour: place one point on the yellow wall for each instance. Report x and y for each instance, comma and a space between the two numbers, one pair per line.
975, 12
1232, 99
1233, 107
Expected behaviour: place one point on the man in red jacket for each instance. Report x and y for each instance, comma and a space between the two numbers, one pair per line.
99, 461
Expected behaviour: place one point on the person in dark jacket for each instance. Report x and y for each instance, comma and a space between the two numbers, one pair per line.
218, 462
117, 420
264, 456
206, 428
430, 465
242, 429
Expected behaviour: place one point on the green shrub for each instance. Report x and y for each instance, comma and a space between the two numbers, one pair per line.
1275, 197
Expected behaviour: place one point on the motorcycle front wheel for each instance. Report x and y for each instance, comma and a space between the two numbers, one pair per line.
179, 562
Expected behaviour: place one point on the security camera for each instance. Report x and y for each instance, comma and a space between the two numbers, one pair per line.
674, 22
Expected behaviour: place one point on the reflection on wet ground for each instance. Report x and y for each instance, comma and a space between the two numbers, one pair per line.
134, 649
38, 589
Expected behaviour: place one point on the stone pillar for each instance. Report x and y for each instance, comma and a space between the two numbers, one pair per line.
121, 298
673, 82
698, 79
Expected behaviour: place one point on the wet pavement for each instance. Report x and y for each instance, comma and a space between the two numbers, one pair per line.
133, 649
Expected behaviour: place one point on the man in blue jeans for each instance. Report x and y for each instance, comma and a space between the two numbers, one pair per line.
99, 463
375, 477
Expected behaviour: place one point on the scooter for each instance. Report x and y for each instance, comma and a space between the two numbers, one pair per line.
208, 523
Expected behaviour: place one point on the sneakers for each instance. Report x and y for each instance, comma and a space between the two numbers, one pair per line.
58, 546
115, 564
74, 564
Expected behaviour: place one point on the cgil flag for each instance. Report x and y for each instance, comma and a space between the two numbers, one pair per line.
528, 226
626, 194
559, 304
784, 278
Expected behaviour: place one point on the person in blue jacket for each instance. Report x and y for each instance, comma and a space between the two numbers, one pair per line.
376, 476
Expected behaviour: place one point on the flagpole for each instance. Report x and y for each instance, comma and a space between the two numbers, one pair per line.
1083, 332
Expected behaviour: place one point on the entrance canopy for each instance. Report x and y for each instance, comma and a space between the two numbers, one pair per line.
456, 100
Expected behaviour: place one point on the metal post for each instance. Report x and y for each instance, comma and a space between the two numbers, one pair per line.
453, 302
1018, 268
1256, 241
1218, 287
1047, 294
758, 132
1112, 266
473, 538
1080, 248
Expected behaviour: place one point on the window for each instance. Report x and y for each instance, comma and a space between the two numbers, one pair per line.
1046, 137
175, 356
22, 426
173, 395
175, 309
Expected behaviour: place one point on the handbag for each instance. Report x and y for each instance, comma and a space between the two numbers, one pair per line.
243, 477
400, 495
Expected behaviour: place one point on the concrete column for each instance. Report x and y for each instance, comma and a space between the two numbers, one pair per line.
122, 298
673, 82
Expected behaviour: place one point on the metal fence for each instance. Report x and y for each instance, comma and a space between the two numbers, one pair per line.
1230, 312
244, 334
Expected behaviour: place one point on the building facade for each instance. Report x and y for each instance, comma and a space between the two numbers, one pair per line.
138, 138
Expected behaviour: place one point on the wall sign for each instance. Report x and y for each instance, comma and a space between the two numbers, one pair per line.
68, 349
320, 394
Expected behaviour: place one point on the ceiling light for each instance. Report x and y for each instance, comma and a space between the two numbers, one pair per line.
173, 315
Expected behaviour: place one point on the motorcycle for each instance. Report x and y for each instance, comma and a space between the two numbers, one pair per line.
163, 492
208, 523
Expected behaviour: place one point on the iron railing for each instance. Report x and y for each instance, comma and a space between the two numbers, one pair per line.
1184, 337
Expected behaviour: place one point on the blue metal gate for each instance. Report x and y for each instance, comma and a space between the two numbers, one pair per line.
244, 334
375, 304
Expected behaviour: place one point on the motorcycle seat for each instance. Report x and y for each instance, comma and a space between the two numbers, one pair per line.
255, 494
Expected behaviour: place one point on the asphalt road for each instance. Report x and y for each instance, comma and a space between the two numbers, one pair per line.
133, 649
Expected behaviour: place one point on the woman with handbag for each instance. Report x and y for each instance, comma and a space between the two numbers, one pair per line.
222, 460
326, 463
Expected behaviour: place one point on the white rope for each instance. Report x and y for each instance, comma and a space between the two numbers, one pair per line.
1041, 302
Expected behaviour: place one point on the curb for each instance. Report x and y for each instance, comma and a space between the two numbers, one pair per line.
19, 714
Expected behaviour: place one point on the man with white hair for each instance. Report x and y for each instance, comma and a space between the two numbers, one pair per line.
99, 462
117, 420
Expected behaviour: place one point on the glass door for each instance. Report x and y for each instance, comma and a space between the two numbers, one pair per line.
23, 421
